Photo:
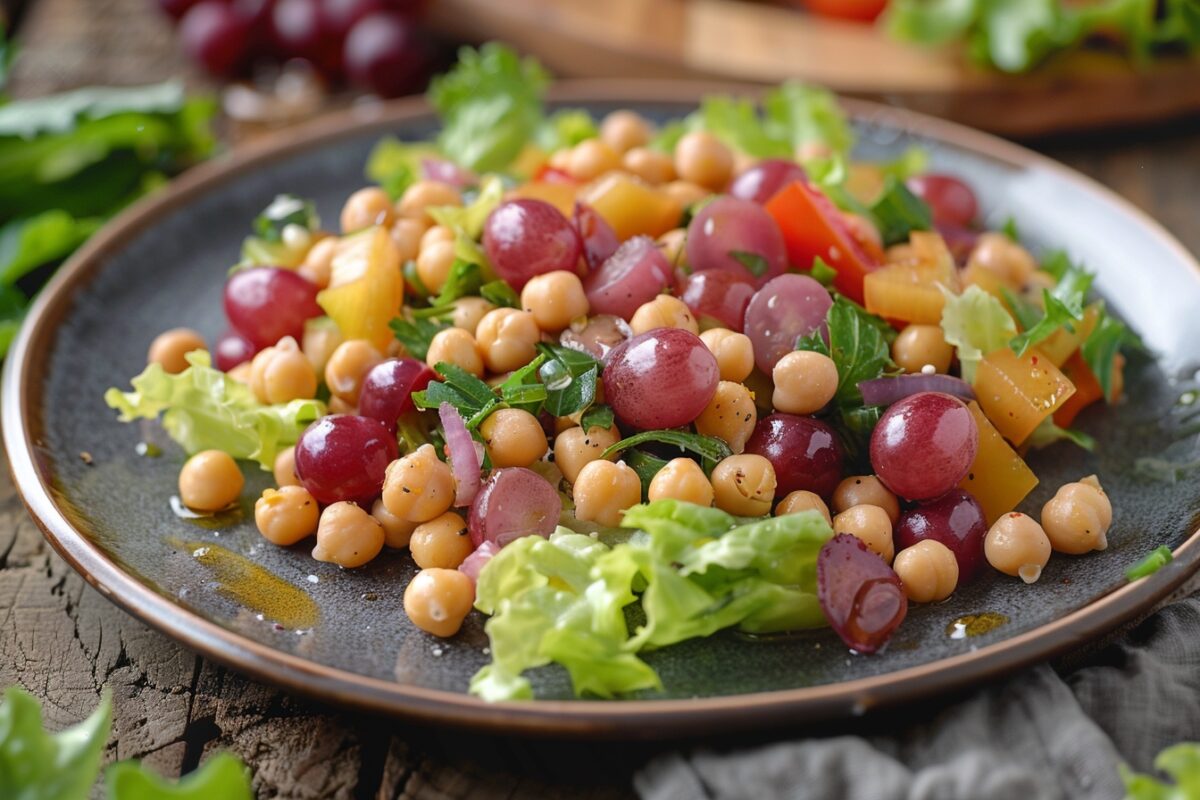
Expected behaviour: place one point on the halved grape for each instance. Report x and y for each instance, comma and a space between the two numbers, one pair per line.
956, 520
761, 182
387, 389
233, 349
782, 311
598, 336
264, 304
950, 199
663, 378
924, 445
736, 235
344, 457
599, 239
525, 238
633, 275
514, 502
805, 453
719, 295
862, 596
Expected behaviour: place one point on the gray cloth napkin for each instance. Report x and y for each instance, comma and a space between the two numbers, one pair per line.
1040, 735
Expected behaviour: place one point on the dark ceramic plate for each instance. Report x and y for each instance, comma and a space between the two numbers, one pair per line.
342, 635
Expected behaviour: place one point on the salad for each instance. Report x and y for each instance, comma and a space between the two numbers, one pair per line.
617, 385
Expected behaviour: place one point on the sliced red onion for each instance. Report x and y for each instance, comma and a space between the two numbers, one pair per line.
473, 563
885, 391
464, 459
439, 169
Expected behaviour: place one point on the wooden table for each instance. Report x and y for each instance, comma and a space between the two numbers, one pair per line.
62, 641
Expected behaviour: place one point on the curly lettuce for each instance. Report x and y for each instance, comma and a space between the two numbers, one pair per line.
975, 323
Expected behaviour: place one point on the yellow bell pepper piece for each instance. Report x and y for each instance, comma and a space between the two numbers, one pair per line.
631, 207
366, 289
1018, 392
999, 478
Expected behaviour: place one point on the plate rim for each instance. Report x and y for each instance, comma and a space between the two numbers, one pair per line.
22, 389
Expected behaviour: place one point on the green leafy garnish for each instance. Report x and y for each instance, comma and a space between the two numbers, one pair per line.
566, 128
597, 416
471, 397
859, 346
710, 449
1152, 563
1181, 762
416, 334
500, 294
754, 263
223, 776
975, 323
1100, 350
204, 409
26, 244
1047, 433
570, 378
523, 390
284, 210
469, 219
822, 273
396, 165
465, 278
1009, 229
898, 212
801, 114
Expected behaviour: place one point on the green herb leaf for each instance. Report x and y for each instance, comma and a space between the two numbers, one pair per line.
597, 416
61, 113
1152, 563
500, 294
645, 465
822, 273
468, 220
396, 165
26, 244
858, 345
1009, 229
1058, 314
13, 305
471, 397
898, 212
570, 377
522, 389
1028, 315
566, 128
223, 776
416, 334
465, 278
709, 448
1100, 349
1181, 762
1047, 433
284, 210
755, 263
61, 766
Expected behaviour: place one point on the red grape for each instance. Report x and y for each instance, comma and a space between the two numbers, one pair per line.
862, 596
344, 457
601, 334
175, 9
215, 36
663, 378
782, 311
264, 304
387, 389
718, 295
513, 502
298, 33
383, 53
956, 520
760, 183
736, 235
960, 241
233, 349
337, 17
599, 239
951, 200
924, 445
525, 238
805, 453
633, 275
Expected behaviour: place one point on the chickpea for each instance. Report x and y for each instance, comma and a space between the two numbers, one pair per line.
418, 487
423, 195
513, 437
603, 490
507, 339
801, 500
435, 234
624, 130
321, 338
734, 352
869, 524
744, 485
653, 167
285, 516
438, 600
704, 159
347, 536
396, 532
458, 347
685, 193
1017, 545
664, 311
574, 448
169, 348
434, 264
868, 490
673, 244
240, 373
919, 345
1078, 517
443, 541
282, 373
210, 481
317, 266
681, 479
730, 415
555, 300
805, 382
366, 207
348, 366
285, 468
592, 158
468, 311
407, 234
997, 253
928, 571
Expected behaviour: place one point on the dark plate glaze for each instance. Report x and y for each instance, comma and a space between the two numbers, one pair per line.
342, 635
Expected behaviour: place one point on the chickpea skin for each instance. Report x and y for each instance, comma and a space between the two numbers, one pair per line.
805, 382
347, 536
169, 348
1017, 545
664, 311
348, 365
407, 234
282, 373
574, 448
507, 339
434, 264
285, 468
685, 193
673, 244
513, 438
734, 353
435, 234
442, 542
624, 130
438, 600
919, 345
468, 311
1078, 517
871, 525
592, 158
730, 415
317, 266
653, 167
418, 487
554, 299
681, 479
928, 571
744, 485
396, 532
703, 159
997, 253
603, 490
210, 481
802, 500
287, 515
868, 490
366, 207
423, 195
458, 347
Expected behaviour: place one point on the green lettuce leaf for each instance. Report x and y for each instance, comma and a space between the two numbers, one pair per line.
975, 323
205, 409
223, 776
566, 128
469, 219
395, 165
737, 123
1181, 762
800, 114
35, 765
26, 244
898, 212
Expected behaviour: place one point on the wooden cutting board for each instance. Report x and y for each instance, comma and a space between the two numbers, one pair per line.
746, 41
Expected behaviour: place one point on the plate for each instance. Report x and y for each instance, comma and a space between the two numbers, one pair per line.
341, 635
